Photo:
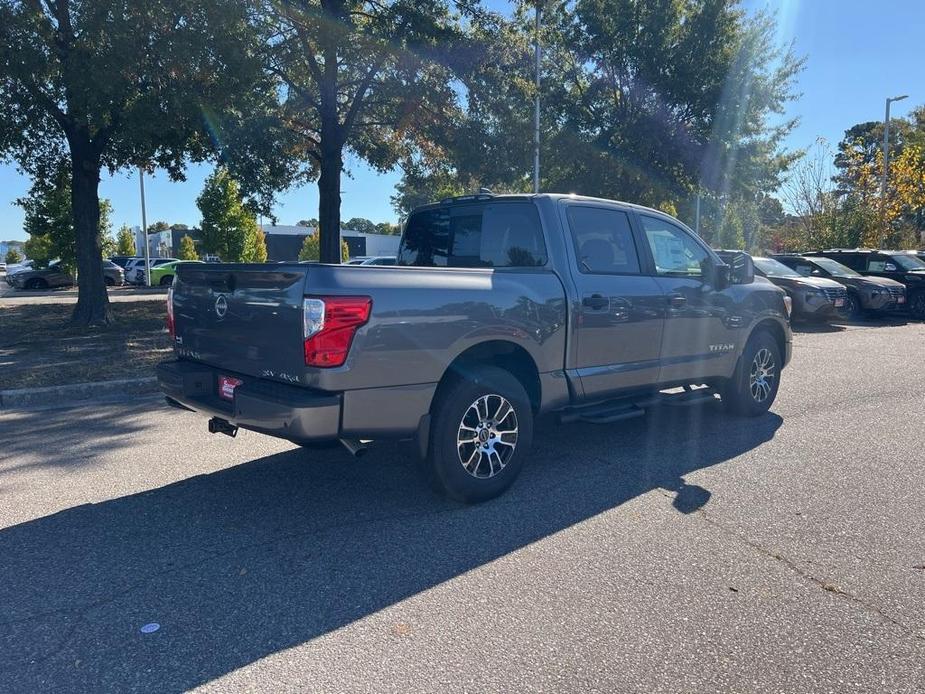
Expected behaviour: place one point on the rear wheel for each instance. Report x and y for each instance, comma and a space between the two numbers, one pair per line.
166, 280
36, 284
481, 433
753, 387
917, 305
110, 282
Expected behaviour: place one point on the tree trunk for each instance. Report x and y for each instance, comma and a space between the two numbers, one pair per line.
92, 300
329, 205
331, 143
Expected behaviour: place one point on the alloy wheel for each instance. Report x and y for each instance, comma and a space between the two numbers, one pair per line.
487, 436
762, 375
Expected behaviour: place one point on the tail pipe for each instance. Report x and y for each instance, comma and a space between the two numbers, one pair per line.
217, 425
355, 447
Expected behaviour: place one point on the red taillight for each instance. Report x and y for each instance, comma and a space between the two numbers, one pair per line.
171, 325
329, 325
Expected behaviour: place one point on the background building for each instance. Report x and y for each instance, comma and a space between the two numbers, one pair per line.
283, 242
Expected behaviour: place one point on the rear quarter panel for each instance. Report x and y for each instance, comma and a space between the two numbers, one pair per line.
423, 318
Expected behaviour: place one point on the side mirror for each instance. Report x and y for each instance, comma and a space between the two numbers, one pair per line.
739, 269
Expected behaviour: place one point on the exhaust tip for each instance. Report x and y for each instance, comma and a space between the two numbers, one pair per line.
355, 447
217, 425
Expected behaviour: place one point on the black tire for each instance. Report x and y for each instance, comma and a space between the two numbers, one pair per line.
110, 282
166, 280
739, 394
487, 474
853, 308
917, 305
36, 284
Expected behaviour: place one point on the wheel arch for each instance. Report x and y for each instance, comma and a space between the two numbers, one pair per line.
776, 331
502, 354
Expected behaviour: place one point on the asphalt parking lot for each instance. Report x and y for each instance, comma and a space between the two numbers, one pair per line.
687, 552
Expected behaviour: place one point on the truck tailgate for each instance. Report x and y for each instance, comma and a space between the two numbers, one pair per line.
246, 318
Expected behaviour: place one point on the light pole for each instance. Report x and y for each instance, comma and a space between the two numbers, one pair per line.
536, 110
886, 146
144, 228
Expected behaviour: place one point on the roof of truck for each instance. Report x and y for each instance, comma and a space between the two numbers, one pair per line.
483, 196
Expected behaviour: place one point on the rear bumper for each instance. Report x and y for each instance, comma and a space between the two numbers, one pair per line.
289, 412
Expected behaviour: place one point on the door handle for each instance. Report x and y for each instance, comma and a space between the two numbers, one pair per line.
596, 302
677, 301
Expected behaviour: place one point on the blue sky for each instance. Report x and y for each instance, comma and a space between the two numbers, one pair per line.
858, 53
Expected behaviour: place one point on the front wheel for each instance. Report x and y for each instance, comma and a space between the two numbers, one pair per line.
853, 308
917, 305
36, 285
480, 436
753, 387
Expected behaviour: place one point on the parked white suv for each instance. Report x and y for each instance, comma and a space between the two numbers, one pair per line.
135, 268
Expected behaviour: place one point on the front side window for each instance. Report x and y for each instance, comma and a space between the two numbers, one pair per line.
675, 252
879, 263
491, 235
603, 241
805, 269
908, 262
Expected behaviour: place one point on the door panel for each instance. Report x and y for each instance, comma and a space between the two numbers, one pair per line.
620, 311
701, 330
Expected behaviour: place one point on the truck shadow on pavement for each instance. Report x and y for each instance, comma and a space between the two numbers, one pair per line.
270, 554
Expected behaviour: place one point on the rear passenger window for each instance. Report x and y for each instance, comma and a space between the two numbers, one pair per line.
503, 234
603, 241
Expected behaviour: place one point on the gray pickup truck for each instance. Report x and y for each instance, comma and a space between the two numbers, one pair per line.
500, 309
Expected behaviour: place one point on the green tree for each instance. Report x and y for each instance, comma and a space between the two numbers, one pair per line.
38, 249
48, 214
311, 249
158, 227
260, 248
388, 228
125, 241
360, 224
649, 101
187, 249
115, 84
229, 229
373, 78
307, 223
899, 218
13, 256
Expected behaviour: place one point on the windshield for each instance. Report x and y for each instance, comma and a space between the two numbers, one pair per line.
772, 268
908, 262
833, 267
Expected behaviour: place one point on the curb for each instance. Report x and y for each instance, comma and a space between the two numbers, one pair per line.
64, 395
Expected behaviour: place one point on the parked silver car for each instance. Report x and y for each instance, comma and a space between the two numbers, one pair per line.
56, 275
